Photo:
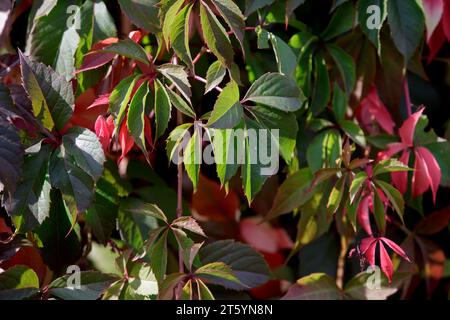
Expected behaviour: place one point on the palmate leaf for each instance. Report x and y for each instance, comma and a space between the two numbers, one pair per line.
253, 5
75, 167
215, 36
218, 273
321, 88
158, 257
341, 22
179, 103
120, 97
316, 286
345, 65
285, 56
50, 94
30, 203
324, 150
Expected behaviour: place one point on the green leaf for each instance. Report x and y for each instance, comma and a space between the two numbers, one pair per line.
178, 76
53, 38
168, 285
59, 239
233, 16
193, 157
189, 223
336, 196
215, 36
128, 48
92, 285
228, 148
368, 18
285, 123
346, 66
11, 157
293, 193
407, 22
394, 196
179, 34
227, 112
340, 103
134, 205
186, 293
104, 26
142, 13
162, 108
321, 89
136, 116
218, 273
75, 167
142, 284
50, 94
174, 141
136, 220
341, 22
324, 150
356, 185
18, 282
378, 210
203, 291
254, 172
180, 104
159, 257
214, 76
354, 131
253, 5
120, 96
248, 265
357, 288
286, 58
389, 165
441, 151
277, 91
316, 286
30, 203
101, 216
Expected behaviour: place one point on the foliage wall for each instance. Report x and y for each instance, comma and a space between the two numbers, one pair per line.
106, 109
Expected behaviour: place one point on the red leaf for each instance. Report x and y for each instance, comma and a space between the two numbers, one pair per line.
263, 237
30, 257
406, 132
104, 130
369, 252
211, 202
84, 117
386, 262
393, 148
373, 109
421, 177
101, 100
148, 131
396, 248
363, 214
433, 10
126, 141
434, 222
400, 178
446, 19
94, 60
436, 42
433, 169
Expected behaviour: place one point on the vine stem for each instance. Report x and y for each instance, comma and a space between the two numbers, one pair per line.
198, 78
341, 263
407, 97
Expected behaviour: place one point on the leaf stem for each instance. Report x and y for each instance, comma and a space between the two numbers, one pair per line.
198, 78
341, 263
407, 97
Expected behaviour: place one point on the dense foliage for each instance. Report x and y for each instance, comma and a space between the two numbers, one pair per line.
130, 167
